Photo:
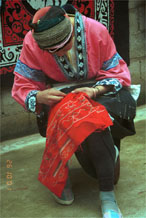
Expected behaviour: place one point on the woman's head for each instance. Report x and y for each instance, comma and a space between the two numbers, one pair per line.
52, 29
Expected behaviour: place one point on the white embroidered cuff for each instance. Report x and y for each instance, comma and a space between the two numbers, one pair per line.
30, 101
110, 82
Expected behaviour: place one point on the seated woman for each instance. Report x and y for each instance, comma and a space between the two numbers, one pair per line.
90, 106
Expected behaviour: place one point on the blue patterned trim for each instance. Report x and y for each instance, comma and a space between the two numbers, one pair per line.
66, 67
27, 72
110, 82
81, 56
111, 63
30, 101
80, 43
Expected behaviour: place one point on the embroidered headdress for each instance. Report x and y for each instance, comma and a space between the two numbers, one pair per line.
51, 27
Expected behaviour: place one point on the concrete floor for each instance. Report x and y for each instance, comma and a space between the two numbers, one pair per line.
23, 196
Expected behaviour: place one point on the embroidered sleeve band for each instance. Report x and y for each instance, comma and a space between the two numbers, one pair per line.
111, 63
33, 74
110, 82
30, 101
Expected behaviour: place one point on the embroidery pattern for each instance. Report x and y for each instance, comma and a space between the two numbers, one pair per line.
27, 72
80, 43
110, 81
111, 63
30, 101
81, 57
65, 121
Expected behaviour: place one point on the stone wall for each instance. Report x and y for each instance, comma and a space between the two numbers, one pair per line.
137, 24
15, 121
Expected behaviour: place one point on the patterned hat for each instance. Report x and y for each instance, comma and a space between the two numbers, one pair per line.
52, 27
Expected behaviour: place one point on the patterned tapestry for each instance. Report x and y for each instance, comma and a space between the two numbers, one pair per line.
16, 15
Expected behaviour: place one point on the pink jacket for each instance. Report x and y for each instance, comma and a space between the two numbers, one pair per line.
34, 64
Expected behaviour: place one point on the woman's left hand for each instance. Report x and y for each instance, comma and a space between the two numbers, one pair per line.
87, 90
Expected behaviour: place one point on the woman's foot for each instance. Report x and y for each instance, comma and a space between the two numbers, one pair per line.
67, 196
109, 206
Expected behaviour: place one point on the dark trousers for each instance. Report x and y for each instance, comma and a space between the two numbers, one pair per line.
97, 157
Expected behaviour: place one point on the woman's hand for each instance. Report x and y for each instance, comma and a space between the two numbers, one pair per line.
89, 91
93, 92
49, 96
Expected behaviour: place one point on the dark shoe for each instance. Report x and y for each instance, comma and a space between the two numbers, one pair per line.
67, 196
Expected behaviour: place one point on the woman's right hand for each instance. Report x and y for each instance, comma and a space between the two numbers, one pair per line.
49, 96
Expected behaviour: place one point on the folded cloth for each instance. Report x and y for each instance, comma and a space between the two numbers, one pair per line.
135, 91
70, 122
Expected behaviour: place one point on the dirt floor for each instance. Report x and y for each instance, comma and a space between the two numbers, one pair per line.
22, 195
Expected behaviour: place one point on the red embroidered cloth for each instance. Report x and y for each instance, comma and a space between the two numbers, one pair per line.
70, 122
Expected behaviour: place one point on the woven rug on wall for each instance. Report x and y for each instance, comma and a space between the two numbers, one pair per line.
16, 15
